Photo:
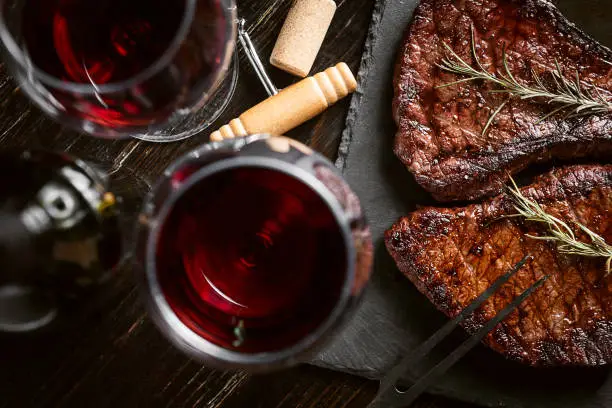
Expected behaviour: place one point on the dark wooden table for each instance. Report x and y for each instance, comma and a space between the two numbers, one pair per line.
106, 353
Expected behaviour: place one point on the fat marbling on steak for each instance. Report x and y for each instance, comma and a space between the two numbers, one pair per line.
440, 137
453, 255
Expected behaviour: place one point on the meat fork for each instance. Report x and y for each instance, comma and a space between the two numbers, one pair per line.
390, 396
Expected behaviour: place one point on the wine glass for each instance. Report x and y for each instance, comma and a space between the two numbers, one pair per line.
60, 238
152, 69
252, 252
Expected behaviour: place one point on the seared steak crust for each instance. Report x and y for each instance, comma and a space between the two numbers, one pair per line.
440, 129
453, 255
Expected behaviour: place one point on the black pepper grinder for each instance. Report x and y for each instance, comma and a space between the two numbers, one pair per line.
59, 236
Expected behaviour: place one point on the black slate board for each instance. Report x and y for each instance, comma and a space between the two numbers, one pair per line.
394, 315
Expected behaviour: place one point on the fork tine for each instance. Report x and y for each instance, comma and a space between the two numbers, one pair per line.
390, 380
421, 351
408, 397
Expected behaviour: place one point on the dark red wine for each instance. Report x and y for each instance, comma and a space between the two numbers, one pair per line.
100, 41
175, 44
251, 258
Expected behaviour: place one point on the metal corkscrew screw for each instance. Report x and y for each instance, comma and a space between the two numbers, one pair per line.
253, 57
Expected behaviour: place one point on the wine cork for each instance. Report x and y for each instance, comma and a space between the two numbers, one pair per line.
293, 105
302, 34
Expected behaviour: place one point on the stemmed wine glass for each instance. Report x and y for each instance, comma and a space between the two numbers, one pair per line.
152, 69
251, 252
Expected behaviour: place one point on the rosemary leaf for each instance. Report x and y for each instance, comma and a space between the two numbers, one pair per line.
456, 82
492, 117
560, 232
239, 333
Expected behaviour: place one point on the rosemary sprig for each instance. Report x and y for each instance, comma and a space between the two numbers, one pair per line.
561, 233
569, 96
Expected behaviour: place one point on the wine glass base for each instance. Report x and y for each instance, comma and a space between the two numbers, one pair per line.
24, 309
189, 125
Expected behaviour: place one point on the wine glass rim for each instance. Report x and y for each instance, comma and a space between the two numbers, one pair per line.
193, 343
17, 54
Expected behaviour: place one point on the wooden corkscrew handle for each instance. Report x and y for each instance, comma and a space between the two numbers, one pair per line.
293, 105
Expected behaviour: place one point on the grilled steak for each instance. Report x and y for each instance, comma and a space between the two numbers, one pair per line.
453, 255
440, 137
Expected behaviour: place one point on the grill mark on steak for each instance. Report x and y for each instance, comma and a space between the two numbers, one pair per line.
453, 255
439, 136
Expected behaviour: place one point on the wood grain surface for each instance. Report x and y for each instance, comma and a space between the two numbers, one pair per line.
104, 352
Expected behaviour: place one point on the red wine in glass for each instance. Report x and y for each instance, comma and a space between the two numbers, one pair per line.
99, 42
252, 252
115, 66
251, 259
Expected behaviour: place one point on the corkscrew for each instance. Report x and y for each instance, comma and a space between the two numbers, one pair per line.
290, 107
